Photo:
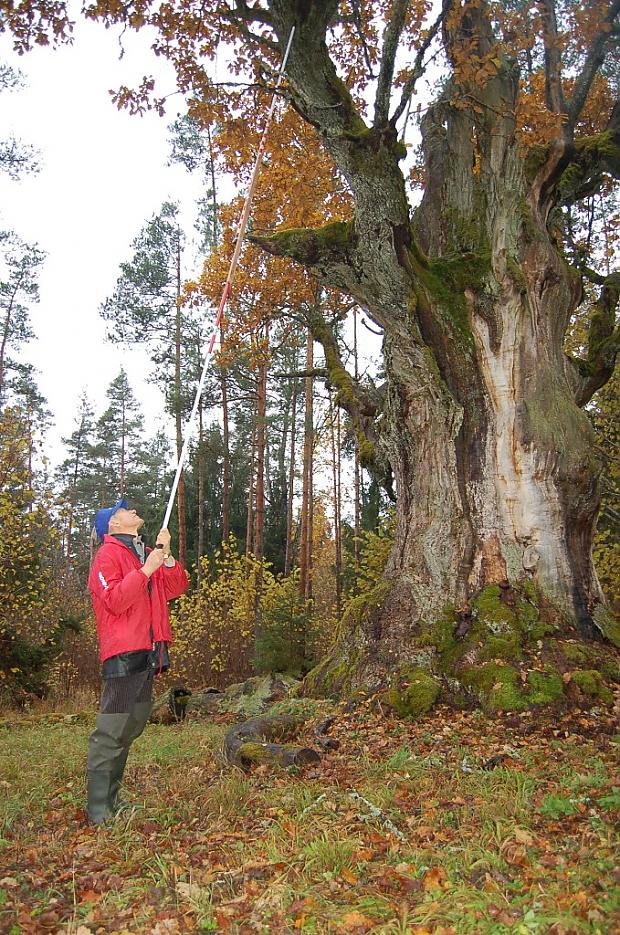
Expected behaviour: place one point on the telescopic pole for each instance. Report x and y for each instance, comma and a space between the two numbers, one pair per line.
243, 223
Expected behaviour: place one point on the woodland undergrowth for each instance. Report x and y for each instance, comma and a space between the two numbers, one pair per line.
454, 823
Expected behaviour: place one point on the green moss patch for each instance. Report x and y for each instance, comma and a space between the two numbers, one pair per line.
497, 687
506, 647
545, 687
414, 693
590, 683
609, 625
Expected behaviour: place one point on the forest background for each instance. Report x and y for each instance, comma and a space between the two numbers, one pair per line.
274, 511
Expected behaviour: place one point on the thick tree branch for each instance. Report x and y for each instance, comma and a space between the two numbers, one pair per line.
319, 248
253, 14
392, 34
603, 342
361, 403
589, 160
594, 60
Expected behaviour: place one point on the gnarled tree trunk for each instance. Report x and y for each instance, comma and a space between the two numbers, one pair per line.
492, 456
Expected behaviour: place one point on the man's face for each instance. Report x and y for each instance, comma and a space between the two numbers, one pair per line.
125, 521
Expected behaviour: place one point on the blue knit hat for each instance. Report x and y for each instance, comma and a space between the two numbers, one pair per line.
103, 517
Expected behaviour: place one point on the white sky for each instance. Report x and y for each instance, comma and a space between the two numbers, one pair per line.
103, 176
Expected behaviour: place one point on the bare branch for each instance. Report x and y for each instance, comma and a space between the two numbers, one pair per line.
392, 34
357, 20
418, 65
361, 403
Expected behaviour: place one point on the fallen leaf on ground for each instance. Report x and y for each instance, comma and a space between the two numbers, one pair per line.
355, 922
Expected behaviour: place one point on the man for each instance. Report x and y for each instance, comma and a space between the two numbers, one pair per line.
130, 589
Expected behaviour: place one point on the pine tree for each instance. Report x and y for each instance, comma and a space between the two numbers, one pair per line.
19, 289
146, 308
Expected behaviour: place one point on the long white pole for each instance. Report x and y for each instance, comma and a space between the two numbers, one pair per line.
243, 223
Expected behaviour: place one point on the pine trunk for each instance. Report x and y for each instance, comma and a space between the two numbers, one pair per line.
201, 496
249, 544
226, 452
334, 432
259, 496
288, 558
305, 547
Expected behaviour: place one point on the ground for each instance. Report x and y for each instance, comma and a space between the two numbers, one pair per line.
452, 823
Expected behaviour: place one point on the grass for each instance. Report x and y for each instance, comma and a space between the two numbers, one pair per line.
401, 830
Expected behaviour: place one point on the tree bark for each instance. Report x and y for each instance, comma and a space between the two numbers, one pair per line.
288, 558
305, 548
201, 495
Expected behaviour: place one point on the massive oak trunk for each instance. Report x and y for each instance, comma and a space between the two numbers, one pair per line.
493, 459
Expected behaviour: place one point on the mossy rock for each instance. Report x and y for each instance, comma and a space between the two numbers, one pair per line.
492, 611
576, 654
246, 699
590, 683
413, 693
610, 669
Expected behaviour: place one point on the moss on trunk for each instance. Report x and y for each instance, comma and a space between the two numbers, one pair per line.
507, 650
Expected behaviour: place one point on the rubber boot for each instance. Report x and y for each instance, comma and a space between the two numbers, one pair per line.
116, 799
139, 717
99, 797
107, 753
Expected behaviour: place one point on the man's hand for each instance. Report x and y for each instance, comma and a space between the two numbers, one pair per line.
155, 560
163, 542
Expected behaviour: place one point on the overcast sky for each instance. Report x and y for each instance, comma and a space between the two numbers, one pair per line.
103, 175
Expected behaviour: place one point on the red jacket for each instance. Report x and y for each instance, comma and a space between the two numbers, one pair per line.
124, 608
